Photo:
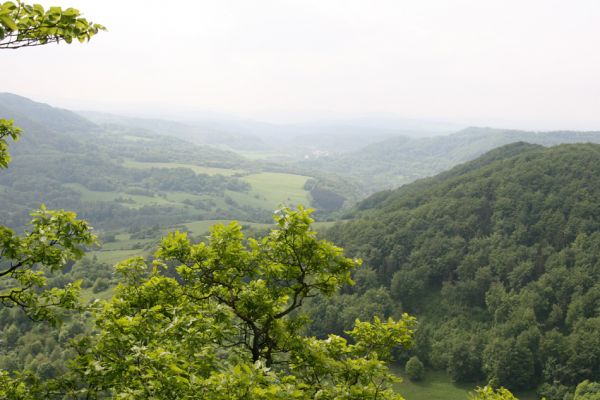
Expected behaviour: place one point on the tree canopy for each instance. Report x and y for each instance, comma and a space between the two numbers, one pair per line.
223, 320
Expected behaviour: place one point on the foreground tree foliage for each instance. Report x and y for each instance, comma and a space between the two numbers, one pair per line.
7, 131
55, 238
24, 25
222, 320
489, 393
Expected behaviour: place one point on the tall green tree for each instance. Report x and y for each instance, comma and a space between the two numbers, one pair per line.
223, 320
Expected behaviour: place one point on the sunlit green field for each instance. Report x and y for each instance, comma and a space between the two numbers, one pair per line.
115, 256
196, 168
269, 190
138, 201
437, 385
274, 189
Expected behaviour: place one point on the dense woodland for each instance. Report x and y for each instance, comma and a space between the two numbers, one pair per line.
498, 259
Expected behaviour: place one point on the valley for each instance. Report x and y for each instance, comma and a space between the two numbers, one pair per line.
470, 251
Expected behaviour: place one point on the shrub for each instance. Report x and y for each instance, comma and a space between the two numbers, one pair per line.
414, 369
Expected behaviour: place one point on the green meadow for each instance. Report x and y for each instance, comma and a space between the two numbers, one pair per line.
196, 168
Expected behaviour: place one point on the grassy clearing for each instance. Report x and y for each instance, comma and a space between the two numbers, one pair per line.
113, 257
88, 295
258, 155
139, 201
437, 385
274, 189
127, 244
196, 168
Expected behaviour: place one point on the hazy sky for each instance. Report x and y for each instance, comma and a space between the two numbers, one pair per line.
518, 63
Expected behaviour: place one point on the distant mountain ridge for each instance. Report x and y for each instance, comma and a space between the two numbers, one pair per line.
194, 134
398, 160
31, 114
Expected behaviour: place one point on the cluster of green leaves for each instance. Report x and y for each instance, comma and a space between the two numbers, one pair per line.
24, 25
587, 390
55, 237
7, 130
489, 393
498, 259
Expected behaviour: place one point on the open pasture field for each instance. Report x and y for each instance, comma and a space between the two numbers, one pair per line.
274, 189
196, 168
437, 385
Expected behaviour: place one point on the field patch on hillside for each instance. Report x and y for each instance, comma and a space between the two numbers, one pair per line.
196, 168
274, 189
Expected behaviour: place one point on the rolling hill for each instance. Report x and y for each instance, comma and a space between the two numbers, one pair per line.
497, 258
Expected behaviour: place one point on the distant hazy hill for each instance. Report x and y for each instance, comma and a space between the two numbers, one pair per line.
195, 134
62, 130
30, 114
499, 260
399, 160
43, 125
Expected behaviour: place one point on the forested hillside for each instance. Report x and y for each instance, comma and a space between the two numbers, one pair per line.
498, 259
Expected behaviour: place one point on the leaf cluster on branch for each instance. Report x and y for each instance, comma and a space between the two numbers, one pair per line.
24, 25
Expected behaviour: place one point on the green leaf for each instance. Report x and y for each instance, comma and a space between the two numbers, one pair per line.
8, 22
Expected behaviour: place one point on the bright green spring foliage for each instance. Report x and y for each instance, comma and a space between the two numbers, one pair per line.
587, 390
489, 393
221, 320
7, 130
55, 237
24, 25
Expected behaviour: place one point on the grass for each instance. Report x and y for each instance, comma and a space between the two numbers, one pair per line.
139, 201
196, 168
274, 189
437, 385
115, 256
88, 295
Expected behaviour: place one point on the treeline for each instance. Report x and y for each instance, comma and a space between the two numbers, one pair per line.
499, 260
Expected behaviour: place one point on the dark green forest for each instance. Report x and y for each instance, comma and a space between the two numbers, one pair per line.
498, 259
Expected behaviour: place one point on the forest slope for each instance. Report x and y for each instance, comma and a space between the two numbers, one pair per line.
498, 259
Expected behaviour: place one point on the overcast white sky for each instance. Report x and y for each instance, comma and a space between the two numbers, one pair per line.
518, 63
